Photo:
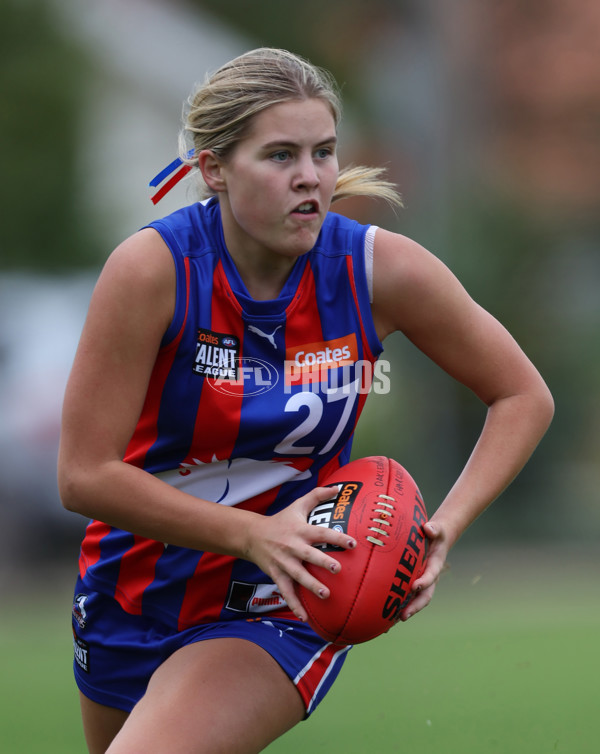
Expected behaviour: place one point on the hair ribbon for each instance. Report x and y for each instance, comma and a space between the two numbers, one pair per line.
177, 170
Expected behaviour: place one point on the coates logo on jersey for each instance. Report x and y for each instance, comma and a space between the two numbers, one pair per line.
311, 362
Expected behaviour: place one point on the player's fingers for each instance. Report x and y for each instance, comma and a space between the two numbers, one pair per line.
317, 495
433, 568
417, 603
286, 587
435, 558
302, 576
322, 534
317, 557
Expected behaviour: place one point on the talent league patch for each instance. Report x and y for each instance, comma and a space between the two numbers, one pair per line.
81, 651
217, 355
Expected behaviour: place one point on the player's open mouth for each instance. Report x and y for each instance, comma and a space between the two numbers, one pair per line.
306, 208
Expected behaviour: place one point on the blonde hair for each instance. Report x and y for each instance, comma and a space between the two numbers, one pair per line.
219, 112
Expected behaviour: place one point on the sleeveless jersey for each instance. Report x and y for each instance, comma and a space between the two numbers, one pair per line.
250, 403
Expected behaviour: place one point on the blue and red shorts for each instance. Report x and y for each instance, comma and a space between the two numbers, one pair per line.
116, 653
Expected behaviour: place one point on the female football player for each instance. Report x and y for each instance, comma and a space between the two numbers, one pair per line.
216, 385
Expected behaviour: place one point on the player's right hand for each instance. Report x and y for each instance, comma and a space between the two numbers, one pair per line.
281, 544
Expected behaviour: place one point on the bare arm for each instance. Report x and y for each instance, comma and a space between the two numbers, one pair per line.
130, 310
416, 293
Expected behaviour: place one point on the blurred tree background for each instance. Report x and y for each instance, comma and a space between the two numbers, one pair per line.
489, 120
42, 81
486, 115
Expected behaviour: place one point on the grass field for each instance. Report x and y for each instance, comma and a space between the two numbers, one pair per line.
499, 663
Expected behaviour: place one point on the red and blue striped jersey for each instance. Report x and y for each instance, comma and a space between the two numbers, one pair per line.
250, 403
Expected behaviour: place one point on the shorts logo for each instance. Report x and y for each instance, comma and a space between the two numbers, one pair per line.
79, 613
282, 631
217, 355
81, 652
254, 598
335, 513
313, 360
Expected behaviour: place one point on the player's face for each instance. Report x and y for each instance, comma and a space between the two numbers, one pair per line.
279, 181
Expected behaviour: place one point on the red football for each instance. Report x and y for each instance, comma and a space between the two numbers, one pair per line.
377, 502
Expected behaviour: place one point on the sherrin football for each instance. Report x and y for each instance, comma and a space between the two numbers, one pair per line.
376, 501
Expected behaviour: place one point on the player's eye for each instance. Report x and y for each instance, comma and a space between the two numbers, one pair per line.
280, 156
323, 153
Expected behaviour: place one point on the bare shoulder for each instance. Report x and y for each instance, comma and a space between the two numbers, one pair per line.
143, 260
411, 286
130, 310
140, 276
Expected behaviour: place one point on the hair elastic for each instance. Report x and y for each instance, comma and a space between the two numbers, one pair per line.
181, 170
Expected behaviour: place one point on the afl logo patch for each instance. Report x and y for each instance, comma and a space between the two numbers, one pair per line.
254, 377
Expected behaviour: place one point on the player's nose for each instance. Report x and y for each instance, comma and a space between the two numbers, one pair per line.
306, 175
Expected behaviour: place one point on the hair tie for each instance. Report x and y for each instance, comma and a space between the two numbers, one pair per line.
181, 170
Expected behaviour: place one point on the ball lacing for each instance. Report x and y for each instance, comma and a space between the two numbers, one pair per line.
384, 512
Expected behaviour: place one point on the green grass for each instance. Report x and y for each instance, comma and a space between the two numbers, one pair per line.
482, 688
39, 710
501, 662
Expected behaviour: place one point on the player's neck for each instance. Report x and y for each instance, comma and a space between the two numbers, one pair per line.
265, 281
263, 273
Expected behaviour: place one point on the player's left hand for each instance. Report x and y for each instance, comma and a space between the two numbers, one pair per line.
424, 586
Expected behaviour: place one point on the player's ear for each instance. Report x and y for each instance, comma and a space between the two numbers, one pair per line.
211, 167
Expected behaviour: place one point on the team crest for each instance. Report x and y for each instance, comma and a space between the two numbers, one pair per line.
79, 613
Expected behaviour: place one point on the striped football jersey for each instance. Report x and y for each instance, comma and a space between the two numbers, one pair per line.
250, 403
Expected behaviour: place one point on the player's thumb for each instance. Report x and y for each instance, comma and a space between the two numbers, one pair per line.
312, 499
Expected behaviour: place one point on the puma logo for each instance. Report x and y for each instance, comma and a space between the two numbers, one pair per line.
281, 633
270, 337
